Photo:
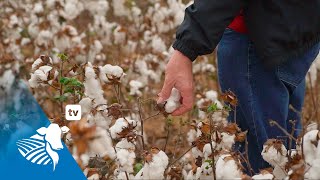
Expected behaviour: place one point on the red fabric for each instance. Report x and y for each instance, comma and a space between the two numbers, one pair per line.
238, 24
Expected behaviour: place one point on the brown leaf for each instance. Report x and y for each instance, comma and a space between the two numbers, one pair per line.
82, 134
230, 97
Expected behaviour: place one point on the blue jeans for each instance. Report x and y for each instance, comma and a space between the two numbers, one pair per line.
262, 93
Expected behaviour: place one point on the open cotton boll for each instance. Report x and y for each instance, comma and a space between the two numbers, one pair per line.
207, 149
7, 80
92, 86
86, 105
126, 158
267, 176
212, 95
115, 71
42, 72
192, 175
135, 87
102, 144
196, 152
206, 170
227, 168
274, 152
42, 60
173, 102
119, 125
313, 172
191, 135
155, 169
228, 140
309, 147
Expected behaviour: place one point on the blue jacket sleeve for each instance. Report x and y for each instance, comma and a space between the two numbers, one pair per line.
204, 24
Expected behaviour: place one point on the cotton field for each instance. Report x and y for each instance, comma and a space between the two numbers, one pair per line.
109, 56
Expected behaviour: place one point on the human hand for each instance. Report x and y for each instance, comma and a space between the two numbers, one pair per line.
178, 74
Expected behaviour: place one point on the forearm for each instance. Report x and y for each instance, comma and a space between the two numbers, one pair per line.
204, 24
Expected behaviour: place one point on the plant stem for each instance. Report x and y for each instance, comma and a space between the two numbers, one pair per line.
167, 137
141, 121
272, 122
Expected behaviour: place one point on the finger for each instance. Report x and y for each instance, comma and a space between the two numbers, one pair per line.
166, 91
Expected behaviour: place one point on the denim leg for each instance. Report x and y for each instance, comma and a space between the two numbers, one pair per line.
263, 94
296, 101
233, 70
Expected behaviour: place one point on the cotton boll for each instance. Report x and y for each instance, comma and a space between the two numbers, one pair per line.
126, 159
102, 144
207, 149
206, 171
98, 7
309, 148
171, 106
312, 126
113, 71
135, 87
92, 86
211, 95
42, 60
155, 169
267, 176
39, 76
228, 140
71, 9
118, 34
44, 38
192, 175
274, 152
94, 177
196, 152
119, 125
173, 102
227, 168
191, 135
38, 8
158, 45
313, 172
6, 80
86, 105
125, 144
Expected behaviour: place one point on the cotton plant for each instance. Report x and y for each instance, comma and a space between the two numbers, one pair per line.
92, 86
228, 167
43, 72
210, 97
156, 162
275, 153
124, 129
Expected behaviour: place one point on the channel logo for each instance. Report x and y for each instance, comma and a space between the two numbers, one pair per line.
42, 148
73, 112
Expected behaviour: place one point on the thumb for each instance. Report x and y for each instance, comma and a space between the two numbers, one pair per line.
166, 91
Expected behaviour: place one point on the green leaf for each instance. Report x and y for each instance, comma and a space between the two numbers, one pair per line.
61, 98
71, 82
24, 33
62, 56
213, 107
169, 121
227, 108
137, 167
69, 90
